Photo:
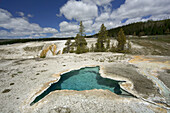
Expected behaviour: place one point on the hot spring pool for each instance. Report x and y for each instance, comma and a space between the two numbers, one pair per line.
87, 78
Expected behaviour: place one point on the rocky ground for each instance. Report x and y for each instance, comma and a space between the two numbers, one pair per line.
23, 76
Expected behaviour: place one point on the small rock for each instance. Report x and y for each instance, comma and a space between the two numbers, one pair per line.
20, 72
11, 84
43, 70
6, 91
61, 110
13, 75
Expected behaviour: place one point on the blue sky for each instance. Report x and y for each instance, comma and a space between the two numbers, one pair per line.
60, 18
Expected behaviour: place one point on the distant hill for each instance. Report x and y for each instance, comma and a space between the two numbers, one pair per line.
13, 41
150, 27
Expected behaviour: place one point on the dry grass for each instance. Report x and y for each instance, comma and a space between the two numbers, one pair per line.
151, 47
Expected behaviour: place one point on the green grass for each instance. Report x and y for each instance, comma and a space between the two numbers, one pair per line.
158, 38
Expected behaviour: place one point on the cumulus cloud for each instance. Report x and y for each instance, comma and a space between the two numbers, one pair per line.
133, 11
88, 26
93, 13
24, 16
87, 23
49, 30
3, 33
20, 14
4, 16
79, 10
98, 2
86, 11
139, 8
20, 26
65, 34
68, 27
103, 17
159, 17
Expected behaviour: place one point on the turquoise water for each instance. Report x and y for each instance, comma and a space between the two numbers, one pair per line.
84, 79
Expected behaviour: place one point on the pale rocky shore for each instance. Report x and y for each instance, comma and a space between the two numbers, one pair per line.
23, 76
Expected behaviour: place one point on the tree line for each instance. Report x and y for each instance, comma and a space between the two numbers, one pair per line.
150, 27
103, 43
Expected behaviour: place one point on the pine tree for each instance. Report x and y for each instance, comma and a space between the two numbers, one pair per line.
121, 40
92, 48
78, 51
81, 29
77, 40
80, 41
108, 43
68, 45
64, 50
101, 39
113, 48
72, 47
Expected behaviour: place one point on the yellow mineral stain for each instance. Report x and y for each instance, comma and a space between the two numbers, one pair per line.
139, 59
127, 85
52, 48
158, 109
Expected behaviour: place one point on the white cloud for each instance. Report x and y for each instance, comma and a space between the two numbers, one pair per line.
49, 30
96, 26
3, 33
87, 11
30, 16
4, 16
129, 21
20, 14
65, 34
103, 17
20, 26
37, 35
108, 24
139, 8
87, 23
71, 29
88, 26
92, 12
24, 16
79, 11
160, 17
111, 24
107, 8
68, 27
98, 2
